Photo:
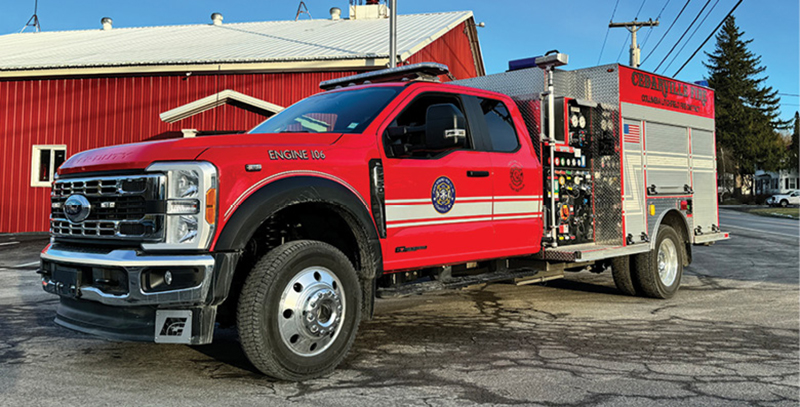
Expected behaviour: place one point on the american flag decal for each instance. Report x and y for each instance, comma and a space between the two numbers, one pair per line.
631, 133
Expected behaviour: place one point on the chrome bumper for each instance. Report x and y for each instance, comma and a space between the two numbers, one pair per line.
134, 264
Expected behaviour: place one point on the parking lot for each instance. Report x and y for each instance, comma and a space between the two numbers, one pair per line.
729, 337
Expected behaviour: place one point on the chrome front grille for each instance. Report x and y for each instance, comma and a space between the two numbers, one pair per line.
122, 207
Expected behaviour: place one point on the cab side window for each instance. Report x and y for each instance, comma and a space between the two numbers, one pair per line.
411, 135
500, 125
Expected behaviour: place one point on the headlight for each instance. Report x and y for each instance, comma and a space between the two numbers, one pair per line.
191, 205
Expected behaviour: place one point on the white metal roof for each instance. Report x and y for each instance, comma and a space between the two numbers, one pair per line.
257, 42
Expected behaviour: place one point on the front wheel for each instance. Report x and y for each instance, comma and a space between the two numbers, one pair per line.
784, 203
299, 310
658, 272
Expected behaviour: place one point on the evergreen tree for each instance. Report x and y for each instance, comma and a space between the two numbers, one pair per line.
747, 110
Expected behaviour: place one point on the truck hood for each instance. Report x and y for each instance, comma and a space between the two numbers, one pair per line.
141, 155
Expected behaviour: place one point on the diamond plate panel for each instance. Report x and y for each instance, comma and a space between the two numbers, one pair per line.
601, 86
662, 205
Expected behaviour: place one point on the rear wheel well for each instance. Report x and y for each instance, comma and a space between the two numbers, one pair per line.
319, 221
674, 219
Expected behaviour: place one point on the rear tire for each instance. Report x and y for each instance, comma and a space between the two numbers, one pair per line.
658, 272
621, 271
299, 310
784, 203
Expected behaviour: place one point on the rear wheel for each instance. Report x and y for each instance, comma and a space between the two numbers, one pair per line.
621, 271
784, 203
658, 272
299, 310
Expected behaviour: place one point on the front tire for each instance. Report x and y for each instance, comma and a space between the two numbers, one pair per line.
784, 203
299, 310
658, 272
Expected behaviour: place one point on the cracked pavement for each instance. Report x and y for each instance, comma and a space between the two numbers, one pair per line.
730, 337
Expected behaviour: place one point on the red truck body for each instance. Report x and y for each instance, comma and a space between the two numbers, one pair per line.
292, 230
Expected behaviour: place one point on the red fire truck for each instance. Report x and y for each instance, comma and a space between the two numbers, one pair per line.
387, 183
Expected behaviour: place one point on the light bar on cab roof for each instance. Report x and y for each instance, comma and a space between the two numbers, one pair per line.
426, 71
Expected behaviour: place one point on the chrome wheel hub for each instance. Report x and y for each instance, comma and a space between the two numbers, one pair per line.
667, 262
311, 310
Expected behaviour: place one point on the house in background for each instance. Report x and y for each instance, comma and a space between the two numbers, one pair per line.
70, 91
771, 183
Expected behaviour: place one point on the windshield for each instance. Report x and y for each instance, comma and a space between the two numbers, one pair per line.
331, 112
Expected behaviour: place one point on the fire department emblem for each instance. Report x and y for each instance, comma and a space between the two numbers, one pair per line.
517, 177
443, 195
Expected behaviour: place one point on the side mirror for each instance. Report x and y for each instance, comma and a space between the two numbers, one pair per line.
445, 127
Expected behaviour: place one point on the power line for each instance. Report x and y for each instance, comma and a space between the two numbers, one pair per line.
691, 35
658, 18
789, 94
683, 35
623, 47
667, 32
640, 9
607, 30
708, 38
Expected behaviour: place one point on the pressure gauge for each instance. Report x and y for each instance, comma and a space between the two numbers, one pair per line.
604, 125
582, 121
574, 120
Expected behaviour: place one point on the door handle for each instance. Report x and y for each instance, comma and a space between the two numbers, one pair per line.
477, 174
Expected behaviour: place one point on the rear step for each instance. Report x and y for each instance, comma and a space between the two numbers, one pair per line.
518, 276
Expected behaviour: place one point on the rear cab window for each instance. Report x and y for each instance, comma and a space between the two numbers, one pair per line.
500, 126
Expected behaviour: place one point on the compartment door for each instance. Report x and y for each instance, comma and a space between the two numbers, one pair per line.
633, 169
704, 180
667, 159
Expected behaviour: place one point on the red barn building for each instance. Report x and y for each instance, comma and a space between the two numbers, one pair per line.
65, 92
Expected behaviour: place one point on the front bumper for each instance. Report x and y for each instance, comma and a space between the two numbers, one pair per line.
132, 264
109, 293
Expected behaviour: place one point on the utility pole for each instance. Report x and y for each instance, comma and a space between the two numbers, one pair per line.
392, 33
634, 26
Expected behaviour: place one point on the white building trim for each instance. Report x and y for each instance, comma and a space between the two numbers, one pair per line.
215, 100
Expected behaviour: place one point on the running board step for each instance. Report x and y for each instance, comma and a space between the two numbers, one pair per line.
516, 276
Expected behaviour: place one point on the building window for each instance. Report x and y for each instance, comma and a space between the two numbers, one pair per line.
791, 183
44, 163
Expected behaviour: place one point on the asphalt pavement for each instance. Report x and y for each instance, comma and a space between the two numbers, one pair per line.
738, 222
730, 337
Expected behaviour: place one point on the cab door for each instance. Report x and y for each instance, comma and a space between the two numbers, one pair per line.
516, 175
438, 202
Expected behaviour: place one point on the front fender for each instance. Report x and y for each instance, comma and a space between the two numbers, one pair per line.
285, 192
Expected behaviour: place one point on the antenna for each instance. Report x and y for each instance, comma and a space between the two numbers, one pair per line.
301, 9
34, 20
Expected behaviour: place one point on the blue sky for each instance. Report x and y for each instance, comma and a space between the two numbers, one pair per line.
514, 28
